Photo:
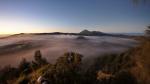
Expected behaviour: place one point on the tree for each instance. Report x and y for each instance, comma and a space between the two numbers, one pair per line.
24, 66
71, 59
147, 31
66, 70
38, 60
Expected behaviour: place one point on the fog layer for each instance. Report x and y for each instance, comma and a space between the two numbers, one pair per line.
14, 48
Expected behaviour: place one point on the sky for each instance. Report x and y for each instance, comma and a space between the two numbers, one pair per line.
34, 16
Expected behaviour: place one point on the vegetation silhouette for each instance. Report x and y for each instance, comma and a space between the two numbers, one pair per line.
147, 31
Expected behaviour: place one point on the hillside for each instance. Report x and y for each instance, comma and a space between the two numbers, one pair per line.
142, 58
131, 67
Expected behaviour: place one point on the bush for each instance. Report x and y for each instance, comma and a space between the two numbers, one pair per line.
124, 77
24, 67
22, 80
8, 73
66, 69
38, 60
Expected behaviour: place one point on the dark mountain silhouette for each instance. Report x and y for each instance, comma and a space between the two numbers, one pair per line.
92, 33
83, 33
98, 33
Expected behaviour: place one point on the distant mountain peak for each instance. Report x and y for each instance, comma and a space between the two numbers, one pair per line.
87, 32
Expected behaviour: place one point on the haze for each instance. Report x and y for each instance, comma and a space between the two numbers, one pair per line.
13, 49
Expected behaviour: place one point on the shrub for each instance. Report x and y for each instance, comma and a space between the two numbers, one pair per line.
38, 60
8, 73
22, 80
24, 67
66, 69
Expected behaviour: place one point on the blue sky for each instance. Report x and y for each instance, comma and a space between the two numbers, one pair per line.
73, 16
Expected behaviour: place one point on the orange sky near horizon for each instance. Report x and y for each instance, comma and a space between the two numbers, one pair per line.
15, 27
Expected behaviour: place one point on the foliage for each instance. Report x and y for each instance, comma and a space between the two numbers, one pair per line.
147, 31
8, 73
66, 70
22, 80
24, 66
38, 60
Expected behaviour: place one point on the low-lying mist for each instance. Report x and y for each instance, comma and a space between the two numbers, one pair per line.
14, 48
